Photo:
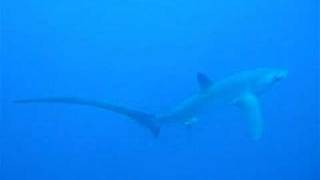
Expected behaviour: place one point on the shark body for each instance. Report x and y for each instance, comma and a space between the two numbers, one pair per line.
241, 90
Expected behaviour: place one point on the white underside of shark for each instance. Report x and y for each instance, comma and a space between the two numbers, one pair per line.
241, 90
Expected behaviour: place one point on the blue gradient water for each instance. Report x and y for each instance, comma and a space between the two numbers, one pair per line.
145, 54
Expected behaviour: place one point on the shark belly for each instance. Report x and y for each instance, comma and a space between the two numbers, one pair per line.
220, 94
188, 109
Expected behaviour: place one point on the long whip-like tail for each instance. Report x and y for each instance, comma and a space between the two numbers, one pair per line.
144, 119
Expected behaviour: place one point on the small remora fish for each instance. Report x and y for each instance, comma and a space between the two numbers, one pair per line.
241, 90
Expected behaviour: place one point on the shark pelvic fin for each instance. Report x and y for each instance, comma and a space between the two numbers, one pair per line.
204, 81
144, 119
191, 121
249, 105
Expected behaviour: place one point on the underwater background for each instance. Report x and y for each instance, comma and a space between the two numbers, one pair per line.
145, 54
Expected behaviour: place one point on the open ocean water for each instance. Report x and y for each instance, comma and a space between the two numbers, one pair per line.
145, 54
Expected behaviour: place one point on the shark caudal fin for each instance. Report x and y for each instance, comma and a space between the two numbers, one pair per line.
144, 119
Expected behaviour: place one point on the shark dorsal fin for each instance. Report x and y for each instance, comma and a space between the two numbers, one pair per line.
204, 81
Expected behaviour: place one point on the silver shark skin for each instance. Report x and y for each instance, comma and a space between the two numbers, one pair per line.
241, 90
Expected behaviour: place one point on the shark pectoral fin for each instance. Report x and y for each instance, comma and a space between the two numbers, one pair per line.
250, 107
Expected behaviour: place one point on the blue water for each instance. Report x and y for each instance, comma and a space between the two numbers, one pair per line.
145, 54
